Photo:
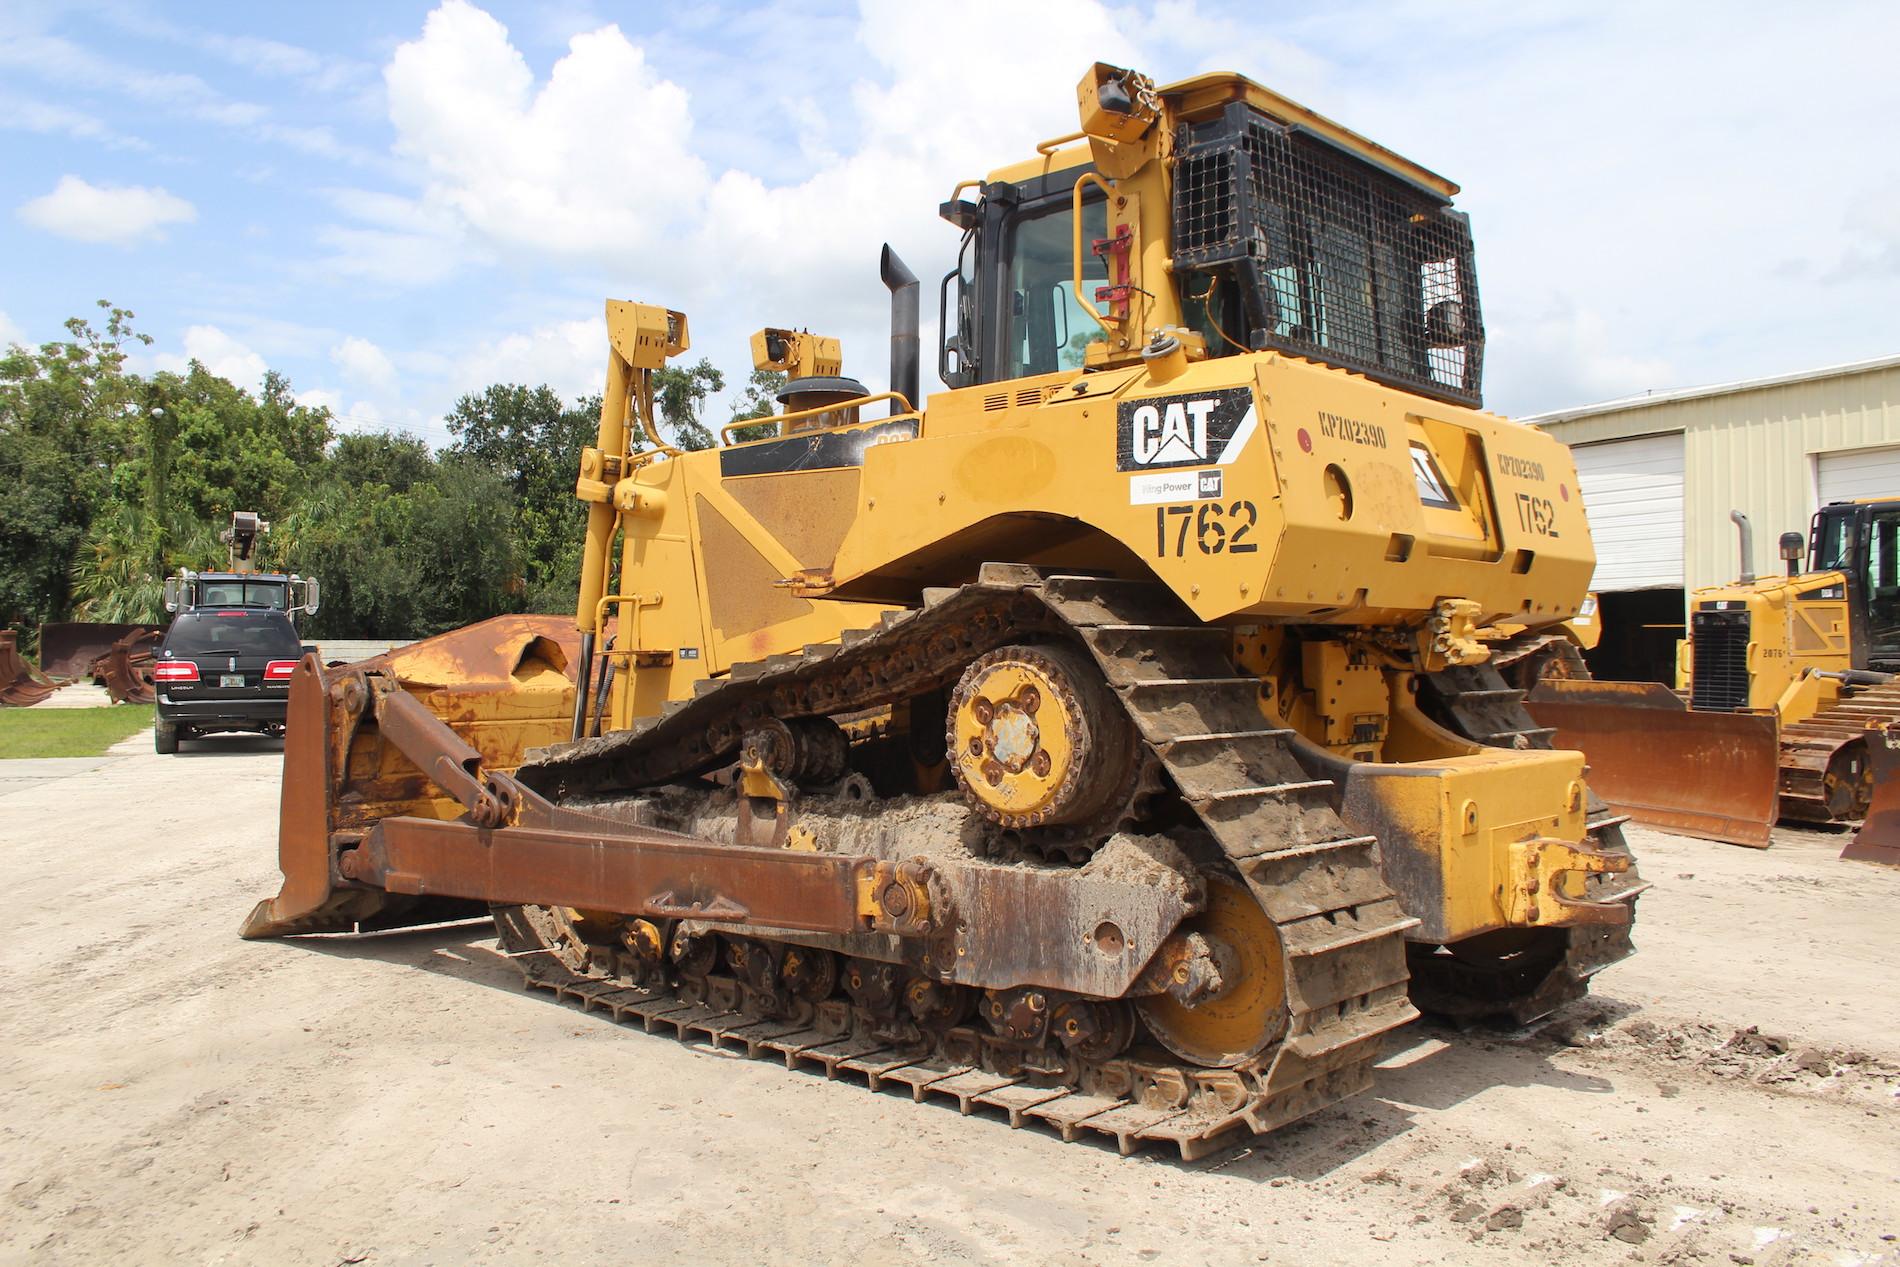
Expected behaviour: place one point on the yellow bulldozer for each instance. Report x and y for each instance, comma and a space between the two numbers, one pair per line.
1111, 743
1787, 684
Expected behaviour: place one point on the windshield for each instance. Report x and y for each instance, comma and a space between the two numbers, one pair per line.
1833, 548
238, 593
1048, 328
233, 633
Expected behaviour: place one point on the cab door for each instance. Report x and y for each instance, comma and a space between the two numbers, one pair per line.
1880, 584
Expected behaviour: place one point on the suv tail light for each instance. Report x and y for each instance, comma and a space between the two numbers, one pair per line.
279, 670
174, 671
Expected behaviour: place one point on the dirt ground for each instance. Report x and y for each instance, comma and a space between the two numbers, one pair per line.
169, 1093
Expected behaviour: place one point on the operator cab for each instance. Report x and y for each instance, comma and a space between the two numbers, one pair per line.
1283, 231
1862, 540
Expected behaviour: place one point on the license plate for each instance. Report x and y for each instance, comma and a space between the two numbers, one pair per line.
230, 679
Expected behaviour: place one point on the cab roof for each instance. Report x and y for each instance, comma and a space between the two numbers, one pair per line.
1203, 97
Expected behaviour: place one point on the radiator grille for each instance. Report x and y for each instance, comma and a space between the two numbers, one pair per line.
1334, 258
1720, 671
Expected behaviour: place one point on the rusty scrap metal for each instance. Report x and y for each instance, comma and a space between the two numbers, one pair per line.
70, 648
1878, 839
1703, 774
21, 685
126, 669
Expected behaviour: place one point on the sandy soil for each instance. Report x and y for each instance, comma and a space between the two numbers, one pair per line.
170, 1093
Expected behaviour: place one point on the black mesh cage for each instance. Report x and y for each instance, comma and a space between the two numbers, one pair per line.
1332, 257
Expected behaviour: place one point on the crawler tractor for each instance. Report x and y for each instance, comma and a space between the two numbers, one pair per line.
1787, 680
1110, 743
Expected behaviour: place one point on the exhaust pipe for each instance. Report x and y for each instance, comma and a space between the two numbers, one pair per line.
905, 305
1748, 545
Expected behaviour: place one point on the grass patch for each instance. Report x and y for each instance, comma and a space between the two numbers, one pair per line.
68, 732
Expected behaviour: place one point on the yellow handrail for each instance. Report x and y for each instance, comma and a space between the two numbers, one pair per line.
1093, 311
629, 638
725, 432
1048, 147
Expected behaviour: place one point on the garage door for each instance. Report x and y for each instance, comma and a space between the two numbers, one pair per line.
1866, 473
1632, 491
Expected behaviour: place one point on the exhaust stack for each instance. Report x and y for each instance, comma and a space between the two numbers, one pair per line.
905, 305
1748, 545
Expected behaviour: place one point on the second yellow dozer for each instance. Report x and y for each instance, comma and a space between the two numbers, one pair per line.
1787, 681
1111, 743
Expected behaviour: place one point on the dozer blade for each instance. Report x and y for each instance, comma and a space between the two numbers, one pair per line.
69, 648
1878, 839
504, 685
1712, 775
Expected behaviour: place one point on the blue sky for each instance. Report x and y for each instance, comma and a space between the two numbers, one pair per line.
395, 203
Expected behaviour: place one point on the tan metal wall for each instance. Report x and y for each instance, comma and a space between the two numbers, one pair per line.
1753, 450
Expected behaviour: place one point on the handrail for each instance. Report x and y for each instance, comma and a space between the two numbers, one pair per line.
1048, 147
1109, 191
725, 432
629, 637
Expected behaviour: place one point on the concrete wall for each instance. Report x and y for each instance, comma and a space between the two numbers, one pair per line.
1751, 447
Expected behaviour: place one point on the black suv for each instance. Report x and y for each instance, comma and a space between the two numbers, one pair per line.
224, 669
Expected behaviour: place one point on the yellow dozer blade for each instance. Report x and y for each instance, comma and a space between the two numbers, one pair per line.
503, 685
1712, 775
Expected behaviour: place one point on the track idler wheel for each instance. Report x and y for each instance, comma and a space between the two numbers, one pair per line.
1245, 1012
1037, 739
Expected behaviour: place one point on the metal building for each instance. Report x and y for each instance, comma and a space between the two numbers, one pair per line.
1661, 472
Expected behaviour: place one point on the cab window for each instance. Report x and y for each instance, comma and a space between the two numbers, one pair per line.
1833, 543
1048, 328
1883, 573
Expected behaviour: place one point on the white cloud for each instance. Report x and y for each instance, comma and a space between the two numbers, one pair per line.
561, 168
10, 333
48, 119
1568, 355
566, 355
218, 352
528, 168
120, 214
364, 364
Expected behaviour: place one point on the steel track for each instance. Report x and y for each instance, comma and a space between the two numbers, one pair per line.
1340, 926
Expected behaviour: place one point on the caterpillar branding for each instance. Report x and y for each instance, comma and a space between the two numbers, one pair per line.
1168, 431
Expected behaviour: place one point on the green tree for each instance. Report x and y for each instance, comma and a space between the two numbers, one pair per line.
528, 438
63, 425
378, 459
759, 400
407, 564
681, 392
222, 449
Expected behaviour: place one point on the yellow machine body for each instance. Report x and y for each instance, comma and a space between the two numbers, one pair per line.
1317, 497
1797, 624
1119, 727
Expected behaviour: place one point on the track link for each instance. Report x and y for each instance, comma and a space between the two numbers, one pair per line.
1341, 928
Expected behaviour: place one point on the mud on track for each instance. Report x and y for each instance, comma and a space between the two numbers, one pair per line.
168, 1092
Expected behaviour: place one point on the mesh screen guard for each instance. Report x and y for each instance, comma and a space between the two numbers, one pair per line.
1332, 258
